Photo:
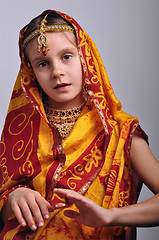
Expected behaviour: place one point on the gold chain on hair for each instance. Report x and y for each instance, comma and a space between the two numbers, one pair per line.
42, 39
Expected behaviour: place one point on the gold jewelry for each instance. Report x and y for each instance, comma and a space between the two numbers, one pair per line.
49, 28
87, 95
63, 120
42, 39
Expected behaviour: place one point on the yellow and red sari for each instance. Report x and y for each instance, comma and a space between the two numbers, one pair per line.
93, 160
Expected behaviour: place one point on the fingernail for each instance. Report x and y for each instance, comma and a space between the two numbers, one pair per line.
46, 216
41, 224
33, 227
23, 223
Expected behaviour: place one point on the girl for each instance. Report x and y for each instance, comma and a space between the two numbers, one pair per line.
78, 158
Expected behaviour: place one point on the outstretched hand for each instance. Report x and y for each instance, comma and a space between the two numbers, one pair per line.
90, 213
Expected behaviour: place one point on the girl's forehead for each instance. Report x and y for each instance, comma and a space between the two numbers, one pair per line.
55, 40
61, 36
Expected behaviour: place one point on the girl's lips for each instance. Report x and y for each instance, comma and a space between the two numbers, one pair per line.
62, 86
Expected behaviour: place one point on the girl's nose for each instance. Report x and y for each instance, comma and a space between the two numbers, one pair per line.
57, 71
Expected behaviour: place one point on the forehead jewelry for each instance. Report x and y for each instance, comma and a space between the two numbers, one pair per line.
43, 46
42, 39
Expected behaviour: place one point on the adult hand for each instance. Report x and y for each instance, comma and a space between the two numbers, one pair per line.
28, 206
90, 213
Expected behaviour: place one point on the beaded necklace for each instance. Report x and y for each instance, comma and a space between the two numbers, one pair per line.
63, 120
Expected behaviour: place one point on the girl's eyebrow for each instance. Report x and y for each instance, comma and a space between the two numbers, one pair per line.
67, 50
62, 51
37, 59
71, 49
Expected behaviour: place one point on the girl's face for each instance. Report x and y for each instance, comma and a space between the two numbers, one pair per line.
59, 73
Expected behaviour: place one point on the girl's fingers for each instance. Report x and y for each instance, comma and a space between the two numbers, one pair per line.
36, 212
18, 214
43, 209
66, 193
27, 215
29, 207
39, 208
70, 194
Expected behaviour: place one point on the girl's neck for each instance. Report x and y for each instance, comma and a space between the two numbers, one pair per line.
65, 105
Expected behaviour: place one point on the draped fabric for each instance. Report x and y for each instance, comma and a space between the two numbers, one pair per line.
93, 160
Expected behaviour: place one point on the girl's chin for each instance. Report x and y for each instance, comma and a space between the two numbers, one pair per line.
64, 104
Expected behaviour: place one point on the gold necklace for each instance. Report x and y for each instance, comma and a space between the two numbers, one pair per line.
63, 120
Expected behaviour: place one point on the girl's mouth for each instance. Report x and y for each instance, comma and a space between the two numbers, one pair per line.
62, 86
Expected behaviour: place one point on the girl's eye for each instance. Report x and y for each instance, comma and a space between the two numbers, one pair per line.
66, 57
43, 64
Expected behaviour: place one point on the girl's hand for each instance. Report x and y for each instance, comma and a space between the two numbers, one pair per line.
27, 205
90, 213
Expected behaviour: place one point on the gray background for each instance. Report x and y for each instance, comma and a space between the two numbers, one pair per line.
127, 36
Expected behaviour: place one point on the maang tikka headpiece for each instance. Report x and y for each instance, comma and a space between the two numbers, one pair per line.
42, 39
43, 46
